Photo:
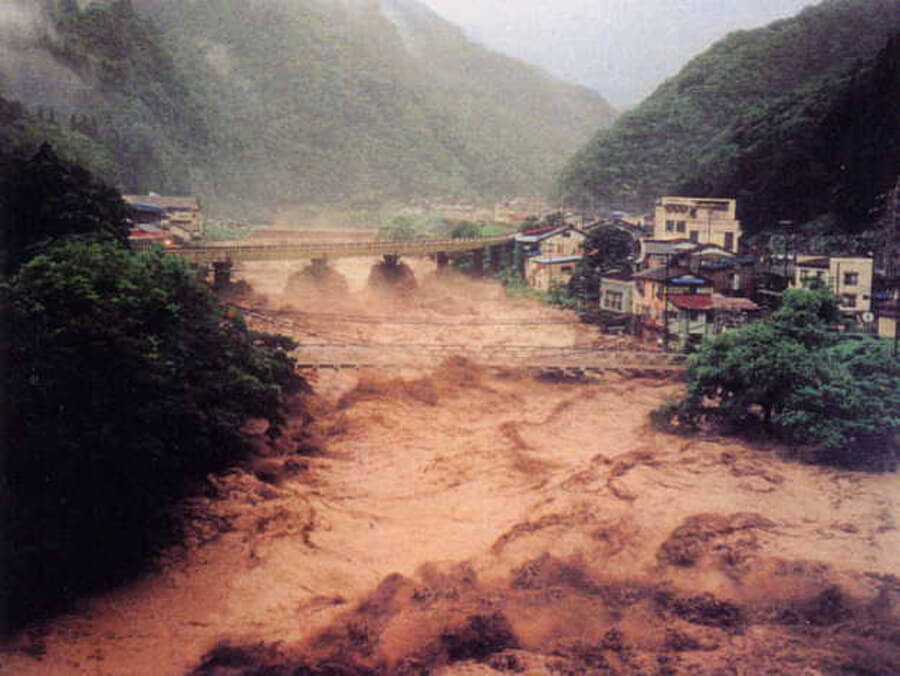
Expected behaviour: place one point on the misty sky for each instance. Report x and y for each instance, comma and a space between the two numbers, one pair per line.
621, 48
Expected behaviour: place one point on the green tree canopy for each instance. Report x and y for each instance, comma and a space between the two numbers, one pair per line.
806, 383
125, 385
44, 198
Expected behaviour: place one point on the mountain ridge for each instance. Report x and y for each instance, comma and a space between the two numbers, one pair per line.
290, 101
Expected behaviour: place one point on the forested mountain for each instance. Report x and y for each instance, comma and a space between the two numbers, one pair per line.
286, 101
797, 120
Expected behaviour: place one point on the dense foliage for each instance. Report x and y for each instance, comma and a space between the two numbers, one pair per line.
775, 116
287, 101
43, 198
606, 249
124, 385
804, 382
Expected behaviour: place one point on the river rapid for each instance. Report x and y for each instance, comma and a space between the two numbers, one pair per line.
461, 519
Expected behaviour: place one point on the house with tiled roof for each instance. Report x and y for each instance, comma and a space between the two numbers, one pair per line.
183, 214
692, 317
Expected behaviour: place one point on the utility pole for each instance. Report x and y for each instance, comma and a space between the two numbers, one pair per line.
666, 307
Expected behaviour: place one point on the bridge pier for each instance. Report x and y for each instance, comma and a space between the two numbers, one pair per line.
495, 255
443, 260
391, 260
478, 263
319, 266
221, 274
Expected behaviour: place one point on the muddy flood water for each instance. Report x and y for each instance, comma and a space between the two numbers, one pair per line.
460, 519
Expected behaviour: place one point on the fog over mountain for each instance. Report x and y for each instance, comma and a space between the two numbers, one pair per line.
286, 101
621, 48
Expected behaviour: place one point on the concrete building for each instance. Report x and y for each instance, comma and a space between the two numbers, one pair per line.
702, 220
848, 277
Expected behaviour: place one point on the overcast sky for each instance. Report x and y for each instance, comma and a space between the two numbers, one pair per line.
621, 48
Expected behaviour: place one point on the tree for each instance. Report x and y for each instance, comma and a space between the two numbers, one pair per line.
806, 384
126, 384
605, 249
400, 229
44, 198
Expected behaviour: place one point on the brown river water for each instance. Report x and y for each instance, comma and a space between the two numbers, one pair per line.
461, 519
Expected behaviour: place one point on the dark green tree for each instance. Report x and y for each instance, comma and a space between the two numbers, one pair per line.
44, 198
125, 385
802, 381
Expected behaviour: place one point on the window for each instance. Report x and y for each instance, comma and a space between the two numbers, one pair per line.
729, 241
695, 235
613, 300
670, 226
695, 315
848, 300
680, 226
851, 278
566, 268
659, 292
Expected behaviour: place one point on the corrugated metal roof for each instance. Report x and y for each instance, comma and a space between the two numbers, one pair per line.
557, 260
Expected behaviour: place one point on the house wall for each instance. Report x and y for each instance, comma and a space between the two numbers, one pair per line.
650, 298
541, 276
849, 278
686, 323
617, 296
704, 220
566, 243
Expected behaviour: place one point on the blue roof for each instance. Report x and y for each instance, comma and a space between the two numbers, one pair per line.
688, 279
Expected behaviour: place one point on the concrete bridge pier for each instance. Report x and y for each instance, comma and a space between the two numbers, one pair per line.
443, 260
495, 255
221, 274
478, 263
319, 266
391, 260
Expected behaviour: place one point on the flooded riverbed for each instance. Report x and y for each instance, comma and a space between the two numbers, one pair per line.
462, 519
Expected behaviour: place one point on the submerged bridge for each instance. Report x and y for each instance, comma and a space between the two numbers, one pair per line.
223, 256
552, 361
564, 362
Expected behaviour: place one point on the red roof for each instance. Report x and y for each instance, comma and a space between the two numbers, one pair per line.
714, 301
695, 301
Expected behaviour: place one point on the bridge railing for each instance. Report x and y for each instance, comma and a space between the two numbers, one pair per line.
248, 252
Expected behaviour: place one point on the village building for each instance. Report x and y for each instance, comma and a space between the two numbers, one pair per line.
184, 216
692, 317
617, 293
700, 220
653, 287
550, 255
848, 277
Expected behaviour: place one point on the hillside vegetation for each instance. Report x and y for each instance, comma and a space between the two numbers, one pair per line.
291, 100
796, 119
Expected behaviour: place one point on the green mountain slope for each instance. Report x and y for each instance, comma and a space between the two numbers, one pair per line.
688, 133
289, 101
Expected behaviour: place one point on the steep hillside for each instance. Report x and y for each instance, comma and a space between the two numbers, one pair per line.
768, 87
289, 101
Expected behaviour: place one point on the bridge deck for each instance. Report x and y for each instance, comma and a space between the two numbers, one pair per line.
332, 250
514, 357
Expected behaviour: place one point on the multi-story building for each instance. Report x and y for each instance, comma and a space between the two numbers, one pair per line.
848, 277
705, 220
551, 255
